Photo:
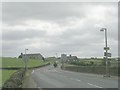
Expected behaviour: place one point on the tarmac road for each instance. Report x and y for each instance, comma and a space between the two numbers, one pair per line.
50, 77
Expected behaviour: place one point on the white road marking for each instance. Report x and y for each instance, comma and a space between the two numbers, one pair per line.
75, 79
94, 85
32, 71
55, 70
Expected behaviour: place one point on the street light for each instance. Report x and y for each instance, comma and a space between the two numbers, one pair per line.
56, 55
25, 60
106, 49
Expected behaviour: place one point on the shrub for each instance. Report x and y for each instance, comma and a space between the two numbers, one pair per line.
94, 69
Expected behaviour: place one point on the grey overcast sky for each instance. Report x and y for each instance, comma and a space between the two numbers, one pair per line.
59, 27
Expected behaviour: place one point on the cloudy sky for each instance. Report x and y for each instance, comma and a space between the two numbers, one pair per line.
62, 27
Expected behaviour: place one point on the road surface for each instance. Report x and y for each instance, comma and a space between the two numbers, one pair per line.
50, 77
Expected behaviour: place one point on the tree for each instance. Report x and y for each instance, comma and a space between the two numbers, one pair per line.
20, 55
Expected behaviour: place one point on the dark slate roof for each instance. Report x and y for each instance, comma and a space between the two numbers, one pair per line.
33, 54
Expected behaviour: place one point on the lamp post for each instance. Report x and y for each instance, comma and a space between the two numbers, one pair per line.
106, 53
25, 60
56, 55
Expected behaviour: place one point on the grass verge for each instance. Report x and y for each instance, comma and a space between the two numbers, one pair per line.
6, 75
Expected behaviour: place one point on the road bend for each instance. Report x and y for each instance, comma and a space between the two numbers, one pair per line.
50, 77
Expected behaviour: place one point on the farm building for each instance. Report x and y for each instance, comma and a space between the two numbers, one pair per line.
72, 58
36, 56
69, 58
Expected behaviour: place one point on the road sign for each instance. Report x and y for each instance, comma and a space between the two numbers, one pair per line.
107, 54
106, 48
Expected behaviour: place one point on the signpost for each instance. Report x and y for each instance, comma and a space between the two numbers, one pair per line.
64, 58
106, 48
107, 54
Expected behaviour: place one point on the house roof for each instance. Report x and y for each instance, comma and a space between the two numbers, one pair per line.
33, 54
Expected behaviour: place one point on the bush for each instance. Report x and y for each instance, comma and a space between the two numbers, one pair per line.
91, 62
82, 63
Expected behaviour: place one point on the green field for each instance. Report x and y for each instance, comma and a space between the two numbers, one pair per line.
0, 78
15, 62
12, 62
95, 62
6, 75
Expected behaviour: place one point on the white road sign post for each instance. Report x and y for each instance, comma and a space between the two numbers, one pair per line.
107, 54
106, 48
64, 58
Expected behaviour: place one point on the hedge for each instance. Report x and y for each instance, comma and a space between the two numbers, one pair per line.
93, 69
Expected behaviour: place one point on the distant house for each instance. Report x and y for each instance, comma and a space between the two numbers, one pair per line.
50, 58
70, 58
36, 56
